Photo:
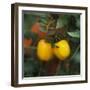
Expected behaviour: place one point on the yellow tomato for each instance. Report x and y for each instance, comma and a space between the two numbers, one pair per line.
62, 49
44, 50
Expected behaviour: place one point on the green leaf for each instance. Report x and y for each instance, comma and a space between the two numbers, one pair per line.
43, 29
62, 21
43, 20
77, 57
76, 54
75, 34
78, 23
42, 24
29, 20
77, 16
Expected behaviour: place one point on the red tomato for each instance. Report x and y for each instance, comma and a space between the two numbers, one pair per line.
42, 34
27, 42
36, 28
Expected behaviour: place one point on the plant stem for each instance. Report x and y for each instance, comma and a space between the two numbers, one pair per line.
40, 69
58, 68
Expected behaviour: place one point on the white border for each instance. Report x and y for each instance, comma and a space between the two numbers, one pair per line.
52, 78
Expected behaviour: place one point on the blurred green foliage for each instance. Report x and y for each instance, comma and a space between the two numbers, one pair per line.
28, 22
